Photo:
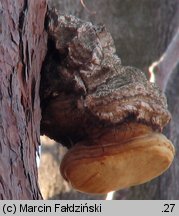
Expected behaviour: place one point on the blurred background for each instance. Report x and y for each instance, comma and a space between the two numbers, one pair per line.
146, 35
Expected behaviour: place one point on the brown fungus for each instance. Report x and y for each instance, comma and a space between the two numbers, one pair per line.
109, 116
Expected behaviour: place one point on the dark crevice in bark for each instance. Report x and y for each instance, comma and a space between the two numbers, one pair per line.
22, 157
22, 15
27, 59
12, 39
22, 18
10, 84
33, 88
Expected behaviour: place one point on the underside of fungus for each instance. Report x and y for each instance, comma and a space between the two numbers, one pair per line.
109, 116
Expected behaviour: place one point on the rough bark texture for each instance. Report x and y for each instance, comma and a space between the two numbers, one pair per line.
22, 50
141, 31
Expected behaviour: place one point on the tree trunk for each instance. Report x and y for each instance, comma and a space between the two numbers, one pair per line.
22, 50
142, 32
168, 185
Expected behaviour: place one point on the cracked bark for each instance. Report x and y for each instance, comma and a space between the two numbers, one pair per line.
22, 50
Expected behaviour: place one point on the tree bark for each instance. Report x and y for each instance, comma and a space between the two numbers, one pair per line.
168, 185
22, 50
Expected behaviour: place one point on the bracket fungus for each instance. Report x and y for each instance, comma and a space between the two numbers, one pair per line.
109, 116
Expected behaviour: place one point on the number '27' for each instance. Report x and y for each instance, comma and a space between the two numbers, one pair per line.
169, 207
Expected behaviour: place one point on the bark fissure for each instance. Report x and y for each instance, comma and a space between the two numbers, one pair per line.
22, 22
22, 17
22, 157
23, 33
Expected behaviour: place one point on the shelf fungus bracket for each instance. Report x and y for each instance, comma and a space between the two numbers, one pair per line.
109, 116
